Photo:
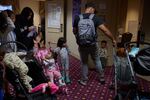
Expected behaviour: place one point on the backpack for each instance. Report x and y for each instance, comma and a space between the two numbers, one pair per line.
86, 31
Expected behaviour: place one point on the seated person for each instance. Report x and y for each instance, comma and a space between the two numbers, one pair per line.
51, 68
12, 61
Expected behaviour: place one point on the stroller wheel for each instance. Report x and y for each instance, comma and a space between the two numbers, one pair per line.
118, 97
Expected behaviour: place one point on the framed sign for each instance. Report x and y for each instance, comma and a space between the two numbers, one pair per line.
54, 15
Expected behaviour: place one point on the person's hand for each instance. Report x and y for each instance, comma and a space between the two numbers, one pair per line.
31, 28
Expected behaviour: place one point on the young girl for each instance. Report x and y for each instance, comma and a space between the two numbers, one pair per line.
63, 52
51, 69
36, 41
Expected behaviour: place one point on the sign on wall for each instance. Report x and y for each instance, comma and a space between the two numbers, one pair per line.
54, 15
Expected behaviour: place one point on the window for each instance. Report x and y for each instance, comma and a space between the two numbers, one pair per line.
5, 7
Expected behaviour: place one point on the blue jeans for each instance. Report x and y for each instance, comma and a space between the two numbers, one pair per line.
93, 52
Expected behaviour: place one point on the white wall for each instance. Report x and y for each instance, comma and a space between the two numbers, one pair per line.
34, 5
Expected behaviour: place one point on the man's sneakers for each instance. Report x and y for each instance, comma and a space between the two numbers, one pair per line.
67, 80
82, 82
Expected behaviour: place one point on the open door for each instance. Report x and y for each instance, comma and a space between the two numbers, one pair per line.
54, 14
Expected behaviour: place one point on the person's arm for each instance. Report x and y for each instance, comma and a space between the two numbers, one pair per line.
75, 25
75, 30
107, 32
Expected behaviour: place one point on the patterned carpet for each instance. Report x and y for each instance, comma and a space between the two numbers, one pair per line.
94, 90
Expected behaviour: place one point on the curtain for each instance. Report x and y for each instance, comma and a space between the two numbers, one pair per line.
76, 8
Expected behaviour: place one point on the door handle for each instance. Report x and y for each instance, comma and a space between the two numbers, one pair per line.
61, 27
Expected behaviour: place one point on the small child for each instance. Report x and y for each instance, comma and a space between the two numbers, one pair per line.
63, 51
46, 57
103, 53
36, 41
52, 69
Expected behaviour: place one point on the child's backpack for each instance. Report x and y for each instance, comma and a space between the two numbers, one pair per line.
86, 31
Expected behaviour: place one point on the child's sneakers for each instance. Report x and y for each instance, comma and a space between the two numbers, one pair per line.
67, 80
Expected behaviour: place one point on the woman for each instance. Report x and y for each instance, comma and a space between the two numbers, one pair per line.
25, 30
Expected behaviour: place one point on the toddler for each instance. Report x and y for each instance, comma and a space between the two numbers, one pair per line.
103, 53
51, 69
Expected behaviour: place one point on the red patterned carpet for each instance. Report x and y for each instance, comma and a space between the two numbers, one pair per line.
94, 90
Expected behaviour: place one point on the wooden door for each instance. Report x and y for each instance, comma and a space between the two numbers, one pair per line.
54, 14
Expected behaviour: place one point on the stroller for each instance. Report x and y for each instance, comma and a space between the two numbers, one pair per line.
126, 68
35, 72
